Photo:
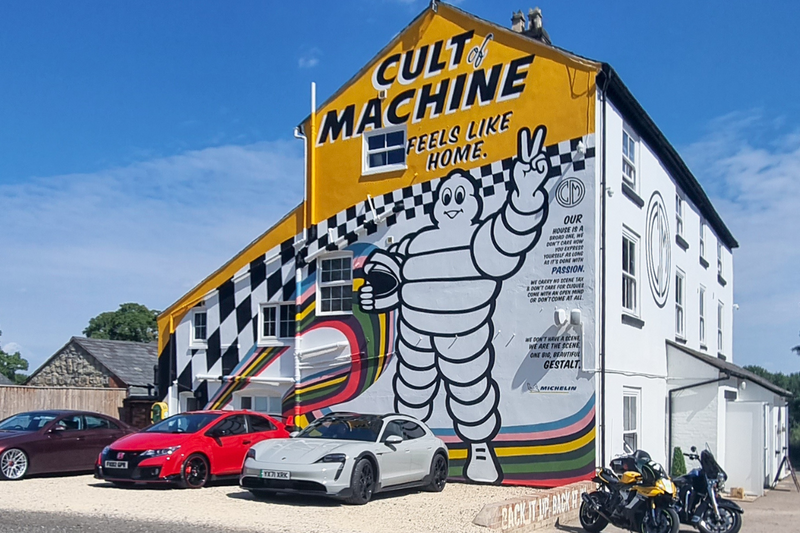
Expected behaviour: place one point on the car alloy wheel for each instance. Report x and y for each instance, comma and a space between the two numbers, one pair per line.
362, 482
195, 472
438, 473
13, 464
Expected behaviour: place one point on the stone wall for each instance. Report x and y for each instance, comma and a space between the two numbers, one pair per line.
73, 367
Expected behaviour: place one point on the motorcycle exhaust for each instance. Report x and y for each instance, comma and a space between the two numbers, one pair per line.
596, 508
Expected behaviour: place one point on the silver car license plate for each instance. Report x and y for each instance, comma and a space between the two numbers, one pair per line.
275, 474
116, 464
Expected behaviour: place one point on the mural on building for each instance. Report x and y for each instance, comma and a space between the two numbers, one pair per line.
465, 274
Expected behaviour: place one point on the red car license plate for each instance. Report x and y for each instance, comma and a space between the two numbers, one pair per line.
116, 464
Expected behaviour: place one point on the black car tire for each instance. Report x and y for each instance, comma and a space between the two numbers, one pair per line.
195, 472
439, 471
261, 494
362, 482
14, 464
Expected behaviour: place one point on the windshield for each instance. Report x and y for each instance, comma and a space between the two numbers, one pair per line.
365, 428
190, 423
26, 422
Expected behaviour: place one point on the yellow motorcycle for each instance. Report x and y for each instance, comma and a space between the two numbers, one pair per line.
635, 494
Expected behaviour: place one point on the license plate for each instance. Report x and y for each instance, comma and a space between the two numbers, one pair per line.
122, 465
275, 474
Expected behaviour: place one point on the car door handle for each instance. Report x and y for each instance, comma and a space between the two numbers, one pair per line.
80, 438
246, 442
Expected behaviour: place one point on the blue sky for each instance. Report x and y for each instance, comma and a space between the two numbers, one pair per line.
141, 144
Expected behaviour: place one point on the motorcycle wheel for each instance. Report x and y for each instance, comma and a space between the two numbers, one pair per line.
667, 521
729, 522
591, 520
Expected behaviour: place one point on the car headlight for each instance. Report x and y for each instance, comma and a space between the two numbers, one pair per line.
251, 453
333, 458
162, 451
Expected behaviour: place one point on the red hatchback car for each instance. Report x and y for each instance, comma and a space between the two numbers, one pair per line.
187, 449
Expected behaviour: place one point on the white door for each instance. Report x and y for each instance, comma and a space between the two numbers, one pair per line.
744, 446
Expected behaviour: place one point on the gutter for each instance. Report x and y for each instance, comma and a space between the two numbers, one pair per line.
603, 276
724, 377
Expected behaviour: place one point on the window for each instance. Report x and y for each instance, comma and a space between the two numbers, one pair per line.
278, 321
71, 423
95, 422
233, 425
629, 274
393, 428
271, 405
719, 259
628, 159
385, 149
720, 314
412, 430
702, 309
680, 302
678, 215
199, 326
259, 424
630, 417
335, 284
702, 239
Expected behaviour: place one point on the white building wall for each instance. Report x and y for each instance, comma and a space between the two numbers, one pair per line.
635, 349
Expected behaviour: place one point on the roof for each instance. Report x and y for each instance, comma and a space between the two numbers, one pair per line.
731, 369
131, 362
5, 381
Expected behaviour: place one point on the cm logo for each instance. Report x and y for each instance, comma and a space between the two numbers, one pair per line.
570, 192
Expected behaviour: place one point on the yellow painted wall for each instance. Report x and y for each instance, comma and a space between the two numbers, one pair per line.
559, 92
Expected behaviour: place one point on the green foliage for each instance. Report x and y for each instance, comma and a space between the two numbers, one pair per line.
678, 462
10, 363
131, 322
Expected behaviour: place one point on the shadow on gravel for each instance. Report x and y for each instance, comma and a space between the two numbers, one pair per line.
159, 486
297, 500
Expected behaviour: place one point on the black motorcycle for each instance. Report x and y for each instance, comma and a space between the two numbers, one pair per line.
699, 501
640, 498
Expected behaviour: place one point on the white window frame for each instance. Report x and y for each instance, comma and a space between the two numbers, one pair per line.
276, 339
680, 303
367, 135
702, 239
720, 319
679, 226
630, 181
272, 399
193, 341
627, 277
636, 395
702, 316
340, 283
719, 259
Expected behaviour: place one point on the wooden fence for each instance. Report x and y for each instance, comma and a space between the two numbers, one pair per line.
15, 399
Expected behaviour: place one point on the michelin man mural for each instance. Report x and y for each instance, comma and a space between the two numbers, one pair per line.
443, 281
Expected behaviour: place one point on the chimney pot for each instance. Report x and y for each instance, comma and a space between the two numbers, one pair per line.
518, 22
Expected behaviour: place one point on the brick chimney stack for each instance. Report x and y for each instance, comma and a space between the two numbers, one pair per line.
518, 22
536, 26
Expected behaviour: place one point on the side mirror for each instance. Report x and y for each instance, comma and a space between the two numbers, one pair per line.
694, 449
57, 429
393, 439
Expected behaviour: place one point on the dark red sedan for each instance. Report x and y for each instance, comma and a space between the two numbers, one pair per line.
40, 442
187, 449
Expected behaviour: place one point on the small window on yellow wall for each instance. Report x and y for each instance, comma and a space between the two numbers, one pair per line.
385, 150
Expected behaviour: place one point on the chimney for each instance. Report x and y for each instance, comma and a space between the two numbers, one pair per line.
536, 26
518, 22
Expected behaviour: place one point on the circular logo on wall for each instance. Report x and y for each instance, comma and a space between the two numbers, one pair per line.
658, 249
570, 192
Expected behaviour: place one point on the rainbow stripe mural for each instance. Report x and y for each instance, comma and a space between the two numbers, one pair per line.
253, 364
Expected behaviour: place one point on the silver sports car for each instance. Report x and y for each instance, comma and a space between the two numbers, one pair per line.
348, 456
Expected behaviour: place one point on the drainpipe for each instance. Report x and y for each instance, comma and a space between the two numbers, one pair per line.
724, 377
603, 276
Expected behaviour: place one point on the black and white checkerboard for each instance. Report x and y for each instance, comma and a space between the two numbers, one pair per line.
233, 323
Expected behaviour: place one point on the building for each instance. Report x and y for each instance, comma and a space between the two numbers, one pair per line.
496, 238
101, 363
5, 381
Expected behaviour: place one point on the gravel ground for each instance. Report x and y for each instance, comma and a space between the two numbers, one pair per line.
229, 507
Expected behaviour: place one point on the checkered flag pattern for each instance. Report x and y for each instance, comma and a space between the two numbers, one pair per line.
233, 322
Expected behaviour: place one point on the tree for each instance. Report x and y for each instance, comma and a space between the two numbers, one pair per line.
10, 363
131, 322
678, 463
